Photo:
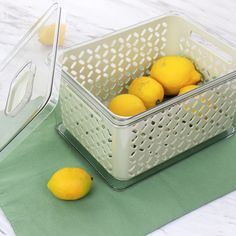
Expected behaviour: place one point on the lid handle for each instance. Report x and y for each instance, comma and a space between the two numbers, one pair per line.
21, 89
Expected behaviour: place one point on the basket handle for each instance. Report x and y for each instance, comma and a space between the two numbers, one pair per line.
21, 89
199, 39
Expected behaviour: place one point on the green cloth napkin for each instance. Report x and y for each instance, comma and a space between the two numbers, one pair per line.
140, 209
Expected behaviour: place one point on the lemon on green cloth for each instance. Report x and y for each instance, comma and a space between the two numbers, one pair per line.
148, 90
70, 183
46, 34
174, 73
187, 89
126, 105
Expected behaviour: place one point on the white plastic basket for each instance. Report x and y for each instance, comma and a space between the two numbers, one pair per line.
96, 71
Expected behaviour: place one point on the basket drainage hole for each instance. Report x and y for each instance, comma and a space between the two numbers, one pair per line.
150, 137
132, 153
159, 126
143, 134
109, 140
87, 132
134, 146
190, 125
153, 122
77, 123
141, 149
220, 111
134, 138
184, 121
91, 115
135, 131
166, 144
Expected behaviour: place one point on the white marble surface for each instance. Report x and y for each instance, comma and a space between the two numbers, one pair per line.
87, 19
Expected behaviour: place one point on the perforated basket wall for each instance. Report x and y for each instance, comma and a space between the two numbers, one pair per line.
105, 68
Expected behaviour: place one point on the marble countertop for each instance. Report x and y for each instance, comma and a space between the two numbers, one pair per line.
94, 18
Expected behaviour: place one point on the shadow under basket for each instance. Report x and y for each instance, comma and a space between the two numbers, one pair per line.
125, 150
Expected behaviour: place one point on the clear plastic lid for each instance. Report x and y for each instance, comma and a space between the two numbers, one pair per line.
27, 77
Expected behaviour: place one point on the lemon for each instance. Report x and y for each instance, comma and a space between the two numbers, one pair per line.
46, 34
70, 183
187, 89
148, 90
174, 73
126, 105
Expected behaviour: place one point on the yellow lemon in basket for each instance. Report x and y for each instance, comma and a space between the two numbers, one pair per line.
126, 105
46, 34
187, 89
70, 183
174, 73
148, 90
